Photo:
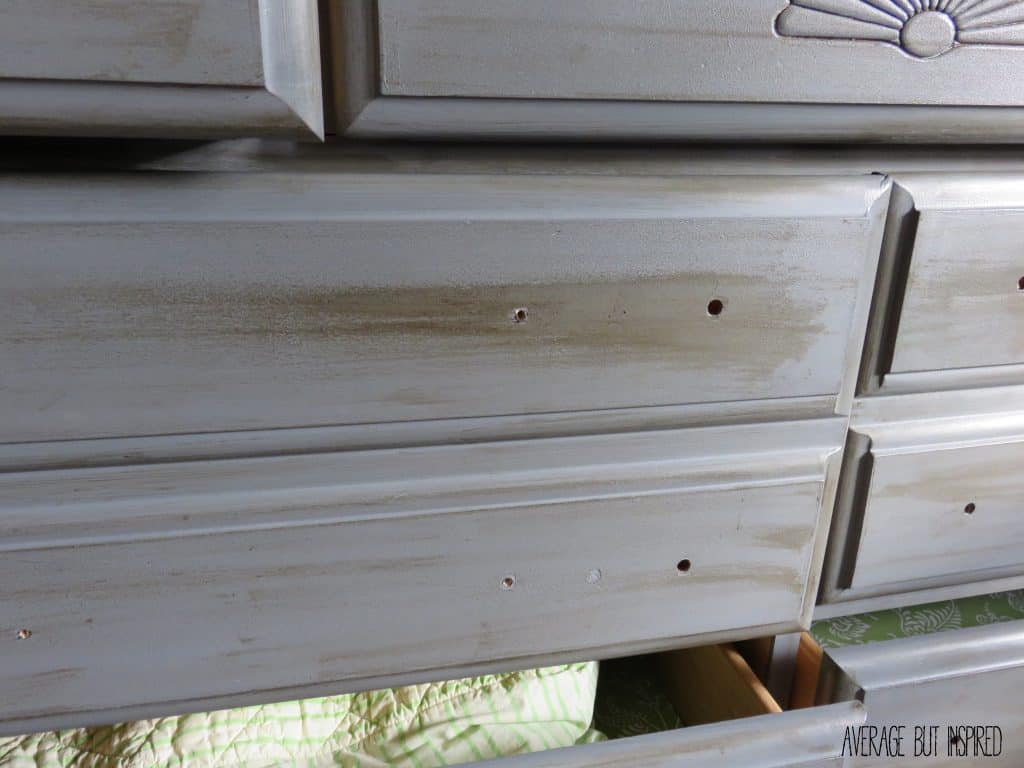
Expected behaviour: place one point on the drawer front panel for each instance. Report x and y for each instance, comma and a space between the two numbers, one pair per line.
252, 579
964, 300
970, 677
798, 739
154, 41
701, 50
187, 303
941, 514
161, 67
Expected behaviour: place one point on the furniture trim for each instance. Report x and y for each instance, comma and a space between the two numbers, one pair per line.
289, 103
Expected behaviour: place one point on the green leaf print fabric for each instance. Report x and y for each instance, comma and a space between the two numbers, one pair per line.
419, 726
919, 619
631, 700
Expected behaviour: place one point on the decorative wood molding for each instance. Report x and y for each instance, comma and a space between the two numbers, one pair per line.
924, 29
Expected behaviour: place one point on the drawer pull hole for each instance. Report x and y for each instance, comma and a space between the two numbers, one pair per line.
1020, 284
508, 582
683, 566
969, 509
715, 307
24, 634
519, 315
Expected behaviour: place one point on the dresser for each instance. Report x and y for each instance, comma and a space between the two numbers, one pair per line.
284, 418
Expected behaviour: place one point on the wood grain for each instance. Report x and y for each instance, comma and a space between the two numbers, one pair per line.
183, 303
170, 68
728, 688
699, 51
192, 582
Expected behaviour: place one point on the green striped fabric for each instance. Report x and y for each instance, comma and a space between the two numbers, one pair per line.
419, 726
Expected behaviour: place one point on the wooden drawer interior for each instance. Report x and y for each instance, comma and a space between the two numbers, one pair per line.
726, 716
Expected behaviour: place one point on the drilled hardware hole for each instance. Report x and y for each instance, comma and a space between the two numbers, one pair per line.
508, 582
683, 566
969, 509
520, 315
1020, 284
715, 307
24, 634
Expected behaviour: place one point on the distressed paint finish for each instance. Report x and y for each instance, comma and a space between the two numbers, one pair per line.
343, 569
963, 306
180, 303
591, 50
929, 504
167, 68
942, 514
967, 677
949, 302
810, 738
659, 69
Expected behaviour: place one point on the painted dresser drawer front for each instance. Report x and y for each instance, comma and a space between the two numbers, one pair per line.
929, 496
184, 303
160, 67
955, 241
223, 582
809, 738
970, 677
940, 514
878, 69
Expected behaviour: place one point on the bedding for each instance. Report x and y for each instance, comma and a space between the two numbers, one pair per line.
419, 726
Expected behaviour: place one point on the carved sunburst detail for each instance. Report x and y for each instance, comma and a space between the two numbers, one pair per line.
922, 28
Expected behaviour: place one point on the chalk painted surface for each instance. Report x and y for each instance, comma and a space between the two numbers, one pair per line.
170, 68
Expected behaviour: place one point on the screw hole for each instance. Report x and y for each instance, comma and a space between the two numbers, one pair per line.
969, 509
715, 307
24, 634
508, 582
1020, 284
683, 566
519, 315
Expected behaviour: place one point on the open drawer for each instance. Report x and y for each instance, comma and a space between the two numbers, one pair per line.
699, 706
228, 582
958, 691
728, 719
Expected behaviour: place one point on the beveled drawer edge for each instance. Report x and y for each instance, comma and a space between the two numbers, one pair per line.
410, 117
75, 507
877, 429
798, 737
48, 722
288, 104
120, 451
913, 660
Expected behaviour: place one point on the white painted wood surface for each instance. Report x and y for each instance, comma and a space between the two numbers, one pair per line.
660, 50
964, 304
928, 505
152, 589
800, 739
181, 303
943, 513
168, 68
967, 677
950, 301
707, 69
